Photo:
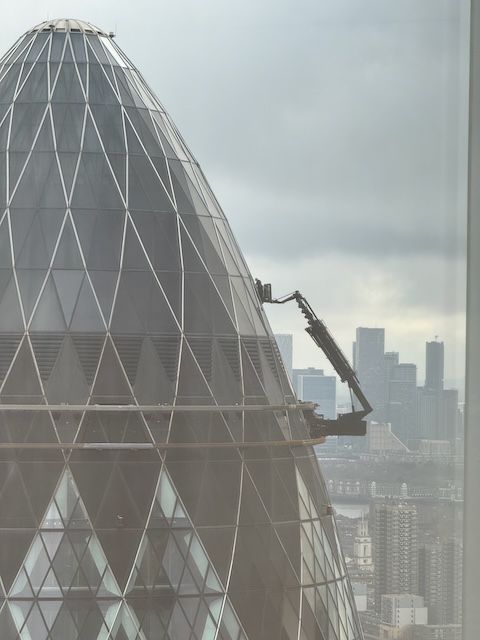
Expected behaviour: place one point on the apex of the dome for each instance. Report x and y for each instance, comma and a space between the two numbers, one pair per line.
68, 24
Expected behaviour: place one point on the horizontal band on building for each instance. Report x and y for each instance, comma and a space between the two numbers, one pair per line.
130, 446
159, 408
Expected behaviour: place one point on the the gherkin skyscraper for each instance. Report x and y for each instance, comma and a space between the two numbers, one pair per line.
152, 484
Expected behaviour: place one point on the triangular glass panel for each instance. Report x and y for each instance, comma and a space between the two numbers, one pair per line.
91, 141
66, 424
243, 315
99, 88
89, 348
205, 312
159, 235
50, 609
234, 265
52, 520
225, 380
23, 378
68, 88
21, 224
141, 307
68, 120
3, 184
50, 587
108, 119
41, 430
120, 546
46, 347
202, 233
8, 347
9, 83
145, 131
14, 544
146, 190
126, 626
7, 623
161, 167
67, 255
34, 253
67, 53
48, 314
67, 383
95, 187
118, 164
191, 382
104, 283
16, 163
54, 69
100, 235
134, 255
26, 119
50, 225
153, 384
45, 141
30, 282
10, 312
35, 88
129, 351
111, 380
87, 316
68, 284
183, 198
193, 260
68, 165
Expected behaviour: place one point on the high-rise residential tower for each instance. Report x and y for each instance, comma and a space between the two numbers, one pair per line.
440, 580
148, 489
395, 549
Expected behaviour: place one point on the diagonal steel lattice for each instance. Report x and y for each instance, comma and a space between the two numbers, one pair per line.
121, 285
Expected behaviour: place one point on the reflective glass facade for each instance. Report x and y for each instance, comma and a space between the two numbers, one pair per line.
125, 512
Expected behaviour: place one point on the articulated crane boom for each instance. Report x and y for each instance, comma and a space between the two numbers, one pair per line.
347, 424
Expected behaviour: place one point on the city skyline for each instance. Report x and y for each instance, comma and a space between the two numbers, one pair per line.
317, 356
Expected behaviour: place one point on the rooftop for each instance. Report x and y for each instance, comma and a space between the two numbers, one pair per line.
68, 24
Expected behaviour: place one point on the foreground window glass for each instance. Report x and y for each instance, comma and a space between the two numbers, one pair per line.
385, 263
158, 477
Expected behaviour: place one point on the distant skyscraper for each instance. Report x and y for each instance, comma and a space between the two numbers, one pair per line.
368, 358
434, 369
450, 417
285, 346
395, 549
440, 581
313, 386
428, 413
402, 405
437, 408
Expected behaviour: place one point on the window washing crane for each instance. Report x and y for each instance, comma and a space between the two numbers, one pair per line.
346, 424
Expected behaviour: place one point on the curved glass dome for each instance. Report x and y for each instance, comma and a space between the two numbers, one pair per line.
149, 488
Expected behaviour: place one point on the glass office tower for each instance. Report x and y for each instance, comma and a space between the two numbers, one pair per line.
150, 485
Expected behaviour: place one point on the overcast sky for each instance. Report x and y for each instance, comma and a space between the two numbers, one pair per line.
334, 135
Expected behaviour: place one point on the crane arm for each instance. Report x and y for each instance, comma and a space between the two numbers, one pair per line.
346, 424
